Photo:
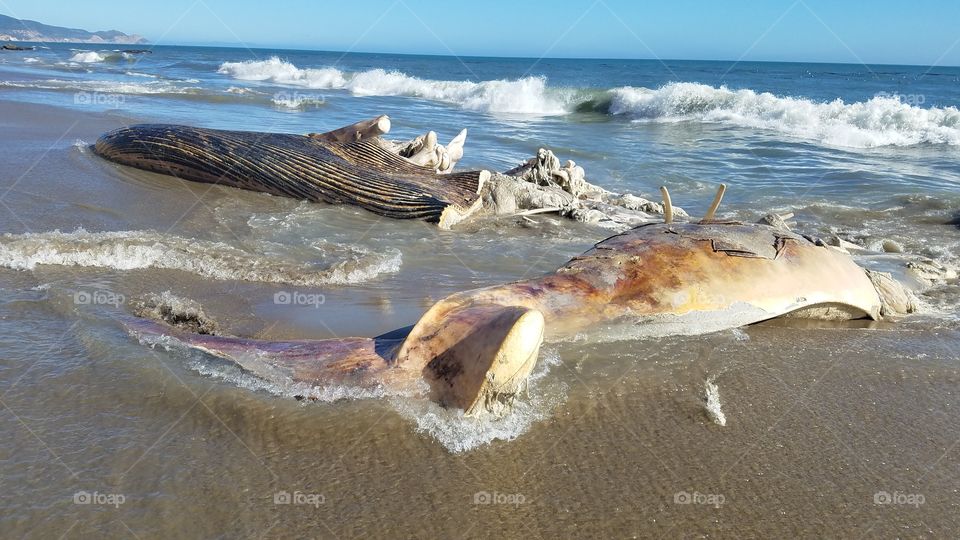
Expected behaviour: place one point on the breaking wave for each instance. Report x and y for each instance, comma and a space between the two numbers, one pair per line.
884, 120
88, 57
881, 121
93, 57
131, 250
522, 96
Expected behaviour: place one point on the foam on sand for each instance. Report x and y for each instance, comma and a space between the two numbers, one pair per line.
131, 250
711, 397
458, 433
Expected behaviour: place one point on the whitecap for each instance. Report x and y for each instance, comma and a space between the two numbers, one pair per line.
528, 95
884, 120
88, 57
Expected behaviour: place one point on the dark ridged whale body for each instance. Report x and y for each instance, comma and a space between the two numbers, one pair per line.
360, 172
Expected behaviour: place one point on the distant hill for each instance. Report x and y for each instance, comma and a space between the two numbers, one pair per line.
23, 30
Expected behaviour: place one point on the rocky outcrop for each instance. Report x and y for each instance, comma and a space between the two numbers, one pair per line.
12, 29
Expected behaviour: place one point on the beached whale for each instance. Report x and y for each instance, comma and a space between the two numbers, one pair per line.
475, 349
348, 165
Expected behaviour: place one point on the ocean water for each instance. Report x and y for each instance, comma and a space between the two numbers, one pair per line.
783, 428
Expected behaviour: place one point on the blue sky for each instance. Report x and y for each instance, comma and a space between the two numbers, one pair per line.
881, 31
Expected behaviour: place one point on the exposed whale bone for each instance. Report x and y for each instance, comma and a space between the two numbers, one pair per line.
366, 129
425, 152
543, 184
712, 211
475, 349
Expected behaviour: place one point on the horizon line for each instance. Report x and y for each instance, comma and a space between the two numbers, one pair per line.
215, 45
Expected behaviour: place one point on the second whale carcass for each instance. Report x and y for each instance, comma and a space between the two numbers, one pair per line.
349, 165
475, 349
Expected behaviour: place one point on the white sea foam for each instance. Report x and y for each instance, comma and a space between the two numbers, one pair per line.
88, 57
106, 87
521, 96
239, 90
458, 433
130, 250
712, 402
279, 71
881, 121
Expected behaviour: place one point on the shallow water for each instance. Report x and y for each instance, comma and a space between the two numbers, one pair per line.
823, 421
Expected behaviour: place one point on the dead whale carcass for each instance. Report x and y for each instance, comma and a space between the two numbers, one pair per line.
344, 166
475, 349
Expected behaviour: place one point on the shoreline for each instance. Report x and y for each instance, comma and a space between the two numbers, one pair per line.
618, 438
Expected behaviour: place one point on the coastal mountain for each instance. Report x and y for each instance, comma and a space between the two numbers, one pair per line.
12, 29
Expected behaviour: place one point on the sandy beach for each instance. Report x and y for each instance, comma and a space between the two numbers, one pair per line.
787, 428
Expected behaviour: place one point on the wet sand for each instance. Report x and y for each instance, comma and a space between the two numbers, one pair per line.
831, 429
